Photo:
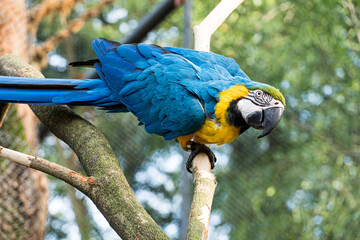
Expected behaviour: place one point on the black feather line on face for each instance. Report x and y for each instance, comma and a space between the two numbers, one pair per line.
234, 116
262, 100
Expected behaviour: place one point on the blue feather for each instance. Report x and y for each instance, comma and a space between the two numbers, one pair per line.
129, 52
148, 51
170, 90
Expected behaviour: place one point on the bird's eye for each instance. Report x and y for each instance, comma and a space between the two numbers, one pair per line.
258, 93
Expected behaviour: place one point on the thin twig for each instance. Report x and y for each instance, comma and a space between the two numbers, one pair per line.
67, 175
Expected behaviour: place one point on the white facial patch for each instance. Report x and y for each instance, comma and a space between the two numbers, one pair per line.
246, 107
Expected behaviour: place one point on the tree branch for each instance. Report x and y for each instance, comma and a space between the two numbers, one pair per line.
205, 181
109, 189
204, 189
67, 175
203, 31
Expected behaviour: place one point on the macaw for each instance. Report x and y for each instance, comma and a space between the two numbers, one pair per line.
192, 96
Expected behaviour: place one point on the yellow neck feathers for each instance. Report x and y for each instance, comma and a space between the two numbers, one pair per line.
225, 98
218, 130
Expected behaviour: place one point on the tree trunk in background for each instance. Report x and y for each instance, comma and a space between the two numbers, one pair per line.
23, 191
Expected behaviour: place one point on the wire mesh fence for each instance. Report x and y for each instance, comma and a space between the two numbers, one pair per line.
23, 191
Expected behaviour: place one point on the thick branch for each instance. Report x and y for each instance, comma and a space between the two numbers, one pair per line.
204, 189
110, 191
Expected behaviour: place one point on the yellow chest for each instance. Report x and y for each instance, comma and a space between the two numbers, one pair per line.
214, 132
218, 130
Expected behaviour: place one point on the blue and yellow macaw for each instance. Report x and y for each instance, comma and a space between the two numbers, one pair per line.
192, 96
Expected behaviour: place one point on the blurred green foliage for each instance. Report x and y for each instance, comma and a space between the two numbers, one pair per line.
301, 181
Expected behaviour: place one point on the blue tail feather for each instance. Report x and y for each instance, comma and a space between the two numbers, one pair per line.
49, 91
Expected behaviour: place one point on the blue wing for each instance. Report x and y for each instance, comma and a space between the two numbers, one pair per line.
224, 65
170, 90
151, 83
218, 71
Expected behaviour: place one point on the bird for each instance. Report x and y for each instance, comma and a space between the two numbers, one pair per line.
190, 96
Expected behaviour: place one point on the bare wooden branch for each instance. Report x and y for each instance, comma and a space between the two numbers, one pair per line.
203, 31
67, 175
205, 181
15, 156
107, 186
204, 189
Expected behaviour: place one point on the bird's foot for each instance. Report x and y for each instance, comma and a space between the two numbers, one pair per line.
196, 148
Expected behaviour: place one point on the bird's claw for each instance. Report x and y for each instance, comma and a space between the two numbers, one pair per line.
196, 148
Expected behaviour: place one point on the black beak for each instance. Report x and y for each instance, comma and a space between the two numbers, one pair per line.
266, 119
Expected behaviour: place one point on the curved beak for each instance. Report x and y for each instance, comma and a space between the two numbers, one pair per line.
266, 119
272, 118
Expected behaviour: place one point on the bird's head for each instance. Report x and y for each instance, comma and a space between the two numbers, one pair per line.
261, 108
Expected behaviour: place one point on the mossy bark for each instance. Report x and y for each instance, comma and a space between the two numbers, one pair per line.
110, 190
